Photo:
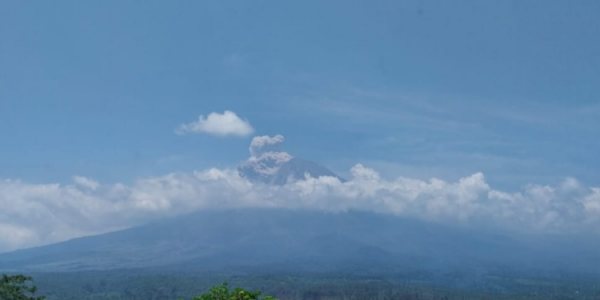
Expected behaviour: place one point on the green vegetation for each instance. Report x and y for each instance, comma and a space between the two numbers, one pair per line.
17, 287
222, 292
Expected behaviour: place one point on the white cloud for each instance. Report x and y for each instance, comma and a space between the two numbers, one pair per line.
86, 182
37, 214
591, 202
226, 124
570, 184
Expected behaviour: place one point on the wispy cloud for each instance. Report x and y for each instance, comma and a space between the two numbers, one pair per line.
226, 124
408, 127
445, 112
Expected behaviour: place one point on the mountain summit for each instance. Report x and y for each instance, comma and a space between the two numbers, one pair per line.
269, 164
281, 169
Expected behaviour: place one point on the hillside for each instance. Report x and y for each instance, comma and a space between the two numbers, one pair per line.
301, 240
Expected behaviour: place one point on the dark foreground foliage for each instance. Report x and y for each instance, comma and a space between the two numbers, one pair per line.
17, 287
222, 292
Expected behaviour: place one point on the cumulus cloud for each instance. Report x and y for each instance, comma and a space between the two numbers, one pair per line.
86, 182
37, 214
226, 124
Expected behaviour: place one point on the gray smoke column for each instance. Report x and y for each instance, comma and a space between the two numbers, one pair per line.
266, 157
265, 143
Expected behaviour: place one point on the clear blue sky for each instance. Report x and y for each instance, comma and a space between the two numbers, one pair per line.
411, 88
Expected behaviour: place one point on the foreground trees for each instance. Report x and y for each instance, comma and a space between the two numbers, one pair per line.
222, 292
20, 287
17, 287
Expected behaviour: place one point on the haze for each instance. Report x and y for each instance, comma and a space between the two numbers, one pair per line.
402, 135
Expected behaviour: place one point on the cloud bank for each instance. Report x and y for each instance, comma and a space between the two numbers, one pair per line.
37, 214
226, 124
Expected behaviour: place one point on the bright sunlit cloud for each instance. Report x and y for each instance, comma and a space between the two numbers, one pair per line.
226, 124
37, 214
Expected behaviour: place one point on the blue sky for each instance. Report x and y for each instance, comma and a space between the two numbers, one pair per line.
411, 88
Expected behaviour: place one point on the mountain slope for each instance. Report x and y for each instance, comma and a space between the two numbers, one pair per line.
300, 240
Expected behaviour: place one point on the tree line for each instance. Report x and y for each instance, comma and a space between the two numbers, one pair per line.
21, 287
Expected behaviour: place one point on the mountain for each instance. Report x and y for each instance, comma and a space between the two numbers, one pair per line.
279, 168
303, 240
297, 168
